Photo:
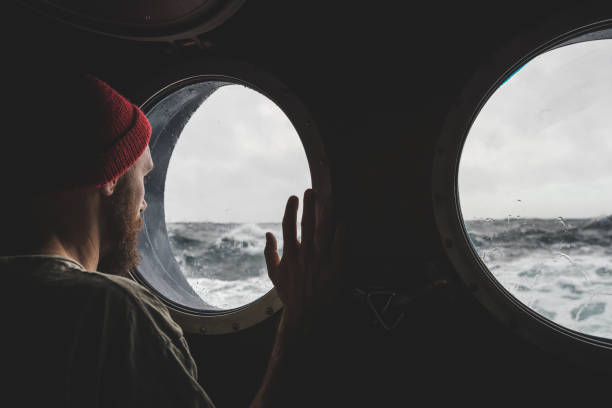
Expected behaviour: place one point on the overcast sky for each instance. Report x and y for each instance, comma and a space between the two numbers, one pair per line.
544, 138
238, 160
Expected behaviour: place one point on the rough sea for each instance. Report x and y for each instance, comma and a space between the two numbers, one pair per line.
224, 263
561, 268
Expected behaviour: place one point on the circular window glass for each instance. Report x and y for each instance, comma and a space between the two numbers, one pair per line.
235, 164
535, 186
226, 160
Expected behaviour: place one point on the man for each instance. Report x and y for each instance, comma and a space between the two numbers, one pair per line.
79, 332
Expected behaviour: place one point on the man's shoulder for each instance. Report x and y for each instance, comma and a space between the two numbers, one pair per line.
68, 279
141, 299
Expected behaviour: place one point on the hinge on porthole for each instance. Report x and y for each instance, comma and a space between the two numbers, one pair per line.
388, 305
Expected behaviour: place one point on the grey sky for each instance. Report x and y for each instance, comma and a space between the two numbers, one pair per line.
545, 138
238, 160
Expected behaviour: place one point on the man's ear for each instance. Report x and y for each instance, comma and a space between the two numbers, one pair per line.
109, 188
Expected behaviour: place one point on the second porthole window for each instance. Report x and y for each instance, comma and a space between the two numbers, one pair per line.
535, 188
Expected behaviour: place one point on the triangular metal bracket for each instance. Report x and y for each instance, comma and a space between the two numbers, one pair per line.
380, 313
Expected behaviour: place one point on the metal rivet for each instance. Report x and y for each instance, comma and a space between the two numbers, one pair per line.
269, 311
235, 326
203, 330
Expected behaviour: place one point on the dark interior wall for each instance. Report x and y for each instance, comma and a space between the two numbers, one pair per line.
379, 80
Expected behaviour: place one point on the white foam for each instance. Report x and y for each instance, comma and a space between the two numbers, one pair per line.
567, 290
231, 294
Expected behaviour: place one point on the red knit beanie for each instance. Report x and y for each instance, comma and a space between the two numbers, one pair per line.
67, 130
125, 132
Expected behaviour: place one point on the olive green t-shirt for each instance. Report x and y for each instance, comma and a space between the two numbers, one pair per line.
77, 338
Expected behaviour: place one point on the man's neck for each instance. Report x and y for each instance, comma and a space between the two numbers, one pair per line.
87, 253
65, 223
71, 228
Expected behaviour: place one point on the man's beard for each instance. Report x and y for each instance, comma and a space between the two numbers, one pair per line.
120, 255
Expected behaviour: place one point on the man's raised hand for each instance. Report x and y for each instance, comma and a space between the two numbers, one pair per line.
306, 277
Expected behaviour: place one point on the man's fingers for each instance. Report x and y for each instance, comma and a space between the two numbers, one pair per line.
308, 222
290, 242
271, 255
323, 227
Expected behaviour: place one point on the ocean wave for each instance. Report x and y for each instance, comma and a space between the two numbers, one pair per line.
534, 234
560, 268
600, 223
224, 262
231, 294
248, 238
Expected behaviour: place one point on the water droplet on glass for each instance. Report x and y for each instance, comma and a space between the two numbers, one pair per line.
563, 223
565, 256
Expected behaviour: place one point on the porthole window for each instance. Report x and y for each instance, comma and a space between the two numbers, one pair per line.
535, 186
521, 188
228, 152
